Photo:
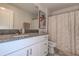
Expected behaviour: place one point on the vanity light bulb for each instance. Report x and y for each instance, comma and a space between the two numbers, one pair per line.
2, 8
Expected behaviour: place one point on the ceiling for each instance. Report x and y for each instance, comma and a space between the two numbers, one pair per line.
56, 6
28, 7
32, 9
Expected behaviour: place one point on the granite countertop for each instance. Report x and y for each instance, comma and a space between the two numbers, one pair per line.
12, 37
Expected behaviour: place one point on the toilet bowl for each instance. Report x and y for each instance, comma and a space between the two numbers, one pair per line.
51, 46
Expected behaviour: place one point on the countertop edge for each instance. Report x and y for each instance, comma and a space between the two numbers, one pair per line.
19, 38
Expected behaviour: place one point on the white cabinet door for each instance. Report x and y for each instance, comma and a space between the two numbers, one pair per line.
52, 28
34, 50
41, 47
63, 33
15, 45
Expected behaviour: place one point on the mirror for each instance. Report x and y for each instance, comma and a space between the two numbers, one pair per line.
6, 18
19, 15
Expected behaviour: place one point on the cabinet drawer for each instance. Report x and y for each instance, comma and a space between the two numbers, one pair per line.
43, 47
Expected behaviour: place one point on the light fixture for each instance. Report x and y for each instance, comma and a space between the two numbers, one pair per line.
2, 8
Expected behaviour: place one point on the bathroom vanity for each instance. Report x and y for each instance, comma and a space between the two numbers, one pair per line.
14, 24
25, 45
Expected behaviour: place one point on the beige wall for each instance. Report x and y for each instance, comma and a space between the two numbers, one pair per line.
19, 17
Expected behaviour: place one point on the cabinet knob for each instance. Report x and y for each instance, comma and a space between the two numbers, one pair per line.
45, 52
45, 43
27, 53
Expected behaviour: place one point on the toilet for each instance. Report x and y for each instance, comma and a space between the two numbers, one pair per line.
51, 46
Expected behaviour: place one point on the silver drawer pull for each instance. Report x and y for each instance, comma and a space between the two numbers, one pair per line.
27, 53
30, 51
45, 43
45, 52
